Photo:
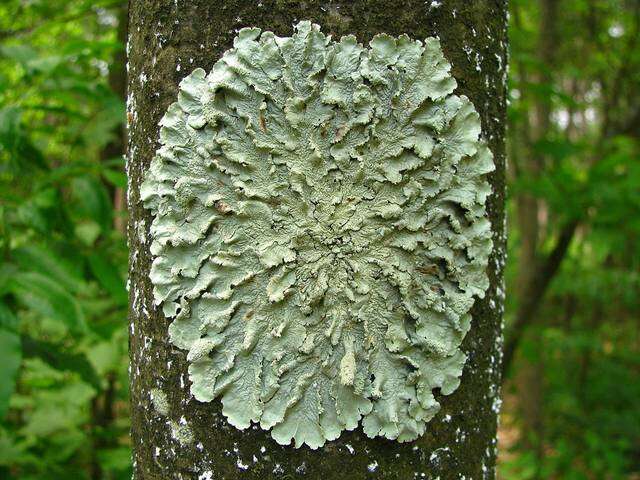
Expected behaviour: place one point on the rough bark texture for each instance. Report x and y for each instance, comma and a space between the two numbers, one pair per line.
176, 437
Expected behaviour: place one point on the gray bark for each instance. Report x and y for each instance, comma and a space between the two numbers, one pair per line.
186, 439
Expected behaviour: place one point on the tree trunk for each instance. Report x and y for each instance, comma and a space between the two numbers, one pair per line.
177, 437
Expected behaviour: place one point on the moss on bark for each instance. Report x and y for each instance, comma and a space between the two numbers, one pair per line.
168, 39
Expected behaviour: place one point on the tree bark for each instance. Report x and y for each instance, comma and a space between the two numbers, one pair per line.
192, 440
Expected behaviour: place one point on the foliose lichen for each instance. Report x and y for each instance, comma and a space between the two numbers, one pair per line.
319, 232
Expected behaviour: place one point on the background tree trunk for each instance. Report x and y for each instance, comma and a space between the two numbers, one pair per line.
530, 375
176, 437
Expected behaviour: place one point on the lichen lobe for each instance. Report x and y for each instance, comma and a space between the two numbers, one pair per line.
320, 232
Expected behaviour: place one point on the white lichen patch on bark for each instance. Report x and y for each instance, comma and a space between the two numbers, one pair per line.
159, 401
320, 232
180, 430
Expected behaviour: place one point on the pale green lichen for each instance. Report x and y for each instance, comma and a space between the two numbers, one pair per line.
159, 401
320, 232
181, 432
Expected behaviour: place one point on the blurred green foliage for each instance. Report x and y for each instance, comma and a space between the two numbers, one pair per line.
571, 406
63, 334
571, 395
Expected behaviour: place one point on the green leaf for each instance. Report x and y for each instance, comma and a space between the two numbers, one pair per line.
90, 201
88, 232
115, 178
59, 411
10, 358
8, 320
46, 64
109, 277
104, 357
47, 297
46, 261
60, 358
16, 142
7, 270
103, 126
12, 450
118, 458
21, 53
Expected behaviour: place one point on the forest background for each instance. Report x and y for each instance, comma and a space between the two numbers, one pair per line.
571, 387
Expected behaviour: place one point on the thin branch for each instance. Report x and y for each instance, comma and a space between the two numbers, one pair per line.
532, 298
